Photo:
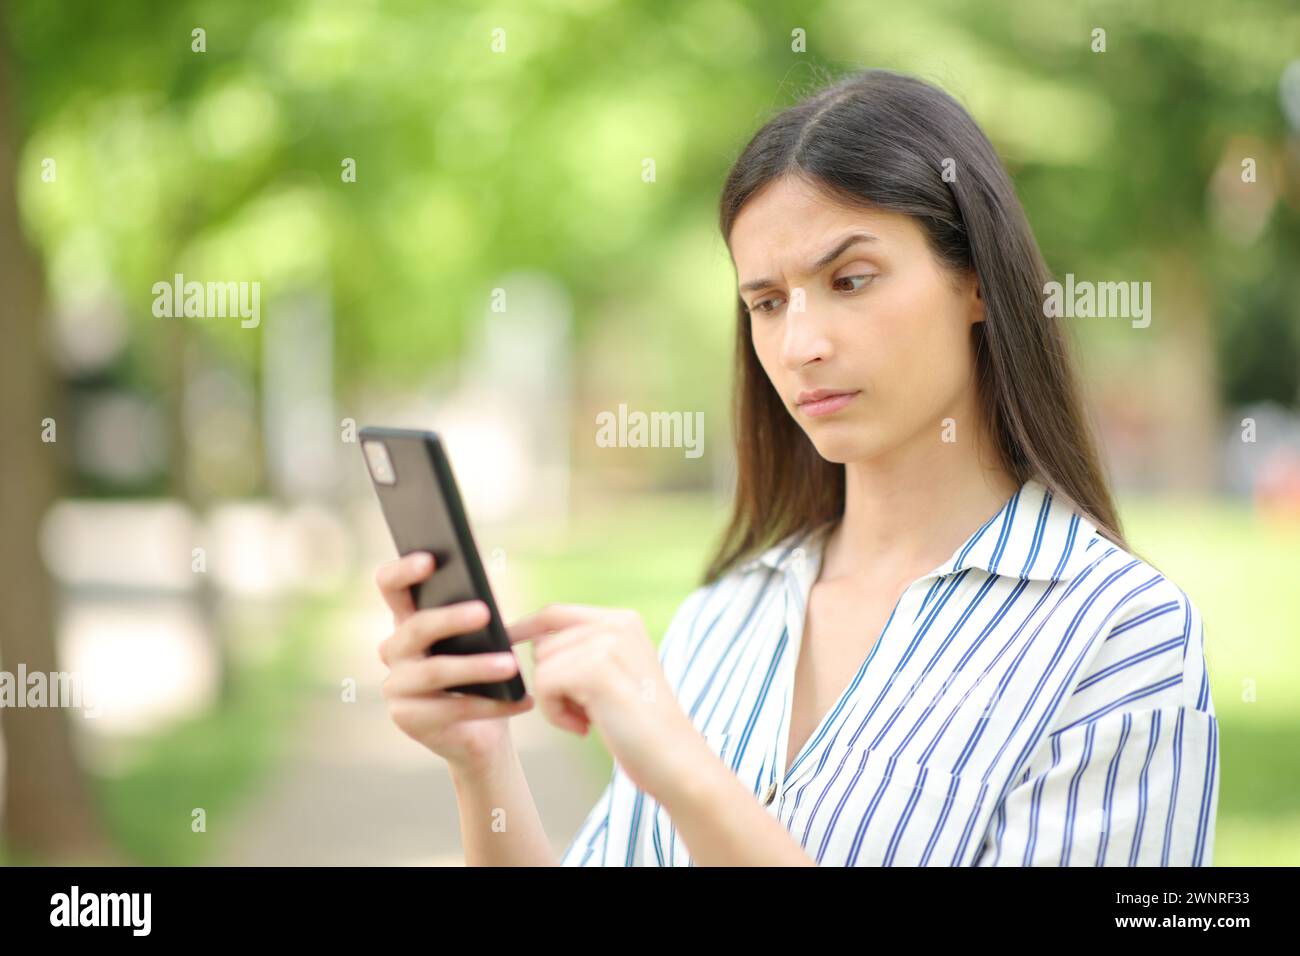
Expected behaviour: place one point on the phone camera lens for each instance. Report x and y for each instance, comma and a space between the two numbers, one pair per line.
381, 466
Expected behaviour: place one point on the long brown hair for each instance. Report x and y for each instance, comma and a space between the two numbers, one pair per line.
882, 140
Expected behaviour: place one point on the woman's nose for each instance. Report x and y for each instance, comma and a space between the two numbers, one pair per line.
805, 338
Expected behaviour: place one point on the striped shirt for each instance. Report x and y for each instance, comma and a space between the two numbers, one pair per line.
1039, 699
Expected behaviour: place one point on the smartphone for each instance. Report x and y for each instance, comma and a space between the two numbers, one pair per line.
412, 477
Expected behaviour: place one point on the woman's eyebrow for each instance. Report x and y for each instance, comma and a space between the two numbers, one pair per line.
852, 239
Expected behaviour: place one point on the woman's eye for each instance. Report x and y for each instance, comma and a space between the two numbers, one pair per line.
772, 303
863, 278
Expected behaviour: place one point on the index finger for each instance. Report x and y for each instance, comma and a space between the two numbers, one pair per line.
395, 579
553, 617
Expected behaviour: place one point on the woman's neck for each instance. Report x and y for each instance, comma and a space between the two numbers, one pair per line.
906, 513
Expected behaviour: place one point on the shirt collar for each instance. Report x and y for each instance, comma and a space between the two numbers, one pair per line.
1035, 535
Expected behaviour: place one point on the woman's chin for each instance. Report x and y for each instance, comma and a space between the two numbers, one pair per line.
842, 449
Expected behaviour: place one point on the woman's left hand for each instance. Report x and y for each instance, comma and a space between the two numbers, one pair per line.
595, 665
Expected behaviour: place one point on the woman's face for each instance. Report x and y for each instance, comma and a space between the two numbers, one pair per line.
853, 300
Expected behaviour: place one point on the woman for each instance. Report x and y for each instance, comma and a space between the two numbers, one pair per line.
923, 640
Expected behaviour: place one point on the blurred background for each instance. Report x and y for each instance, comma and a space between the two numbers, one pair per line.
498, 220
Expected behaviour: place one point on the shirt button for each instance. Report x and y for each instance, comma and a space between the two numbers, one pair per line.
771, 792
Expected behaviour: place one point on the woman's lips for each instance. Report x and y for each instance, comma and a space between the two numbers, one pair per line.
828, 405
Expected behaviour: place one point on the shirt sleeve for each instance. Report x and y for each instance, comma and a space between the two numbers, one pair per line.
619, 829
1129, 776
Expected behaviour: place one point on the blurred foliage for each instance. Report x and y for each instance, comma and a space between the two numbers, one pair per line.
472, 163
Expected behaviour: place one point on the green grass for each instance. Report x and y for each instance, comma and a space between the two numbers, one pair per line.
646, 554
214, 761
1241, 573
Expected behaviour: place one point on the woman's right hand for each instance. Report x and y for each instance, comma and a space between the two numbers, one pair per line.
469, 730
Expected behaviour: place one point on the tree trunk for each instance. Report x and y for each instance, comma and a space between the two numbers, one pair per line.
1190, 454
49, 811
